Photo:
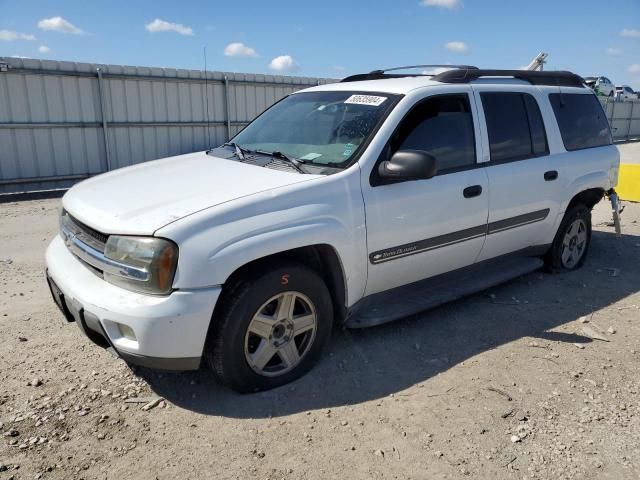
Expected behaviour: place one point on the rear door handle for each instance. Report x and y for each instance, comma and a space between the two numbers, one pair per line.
472, 191
550, 175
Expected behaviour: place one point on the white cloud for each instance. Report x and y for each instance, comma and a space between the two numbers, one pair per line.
237, 49
630, 32
43, 49
19, 56
450, 4
284, 63
635, 68
457, 46
613, 52
162, 26
10, 36
59, 24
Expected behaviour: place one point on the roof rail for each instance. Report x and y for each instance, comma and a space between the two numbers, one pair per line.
381, 74
553, 78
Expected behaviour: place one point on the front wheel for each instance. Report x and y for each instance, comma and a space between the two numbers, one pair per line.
271, 329
570, 246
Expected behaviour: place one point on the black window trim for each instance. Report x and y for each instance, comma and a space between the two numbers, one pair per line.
558, 123
374, 178
517, 158
544, 127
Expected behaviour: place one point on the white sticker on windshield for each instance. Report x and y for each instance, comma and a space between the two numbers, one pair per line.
311, 156
371, 100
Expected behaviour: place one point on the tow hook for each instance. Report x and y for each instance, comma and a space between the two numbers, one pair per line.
615, 210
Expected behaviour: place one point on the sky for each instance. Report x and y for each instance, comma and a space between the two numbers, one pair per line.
332, 38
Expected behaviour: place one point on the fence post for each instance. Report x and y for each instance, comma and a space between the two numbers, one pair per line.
613, 119
227, 107
105, 133
633, 105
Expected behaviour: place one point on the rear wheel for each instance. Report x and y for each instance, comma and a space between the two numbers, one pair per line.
272, 328
571, 244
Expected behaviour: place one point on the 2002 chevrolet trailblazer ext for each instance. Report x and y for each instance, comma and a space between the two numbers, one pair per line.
354, 203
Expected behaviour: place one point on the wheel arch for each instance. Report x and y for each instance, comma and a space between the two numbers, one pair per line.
322, 258
587, 189
588, 197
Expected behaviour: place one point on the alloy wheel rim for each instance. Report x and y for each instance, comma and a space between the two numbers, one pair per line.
574, 243
280, 334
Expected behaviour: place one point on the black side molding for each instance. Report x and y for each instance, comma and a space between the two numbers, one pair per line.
399, 251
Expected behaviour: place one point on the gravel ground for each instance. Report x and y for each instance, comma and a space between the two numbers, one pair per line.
509, 383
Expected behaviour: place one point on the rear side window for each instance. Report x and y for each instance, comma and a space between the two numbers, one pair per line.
515, 126
581, 119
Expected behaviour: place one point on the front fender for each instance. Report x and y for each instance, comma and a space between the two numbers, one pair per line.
227, 258
215, 242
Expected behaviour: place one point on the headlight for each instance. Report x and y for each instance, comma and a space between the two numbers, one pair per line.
152, 263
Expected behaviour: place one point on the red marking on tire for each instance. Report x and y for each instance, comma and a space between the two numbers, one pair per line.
284, 280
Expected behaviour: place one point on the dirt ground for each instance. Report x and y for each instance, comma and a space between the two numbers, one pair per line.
508, 383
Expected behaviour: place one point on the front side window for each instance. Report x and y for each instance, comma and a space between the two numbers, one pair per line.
515, 126
323, 128
441, 126
581, 119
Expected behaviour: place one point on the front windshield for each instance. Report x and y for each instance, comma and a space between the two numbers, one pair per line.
324, 128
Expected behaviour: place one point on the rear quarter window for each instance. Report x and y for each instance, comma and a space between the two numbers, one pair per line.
581, 120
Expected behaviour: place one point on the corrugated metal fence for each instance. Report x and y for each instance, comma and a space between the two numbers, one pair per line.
624, 118
63, 121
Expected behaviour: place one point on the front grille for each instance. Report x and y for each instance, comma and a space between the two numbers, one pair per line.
84, 233
100, 237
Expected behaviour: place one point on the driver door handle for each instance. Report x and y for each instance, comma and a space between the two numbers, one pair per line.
550, 175
472, 191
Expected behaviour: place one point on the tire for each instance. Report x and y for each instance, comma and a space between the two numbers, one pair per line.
236, 353
571, 243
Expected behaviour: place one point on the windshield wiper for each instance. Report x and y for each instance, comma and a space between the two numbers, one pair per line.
240, 152
297, 164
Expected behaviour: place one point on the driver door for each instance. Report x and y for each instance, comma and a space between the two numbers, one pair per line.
421, 228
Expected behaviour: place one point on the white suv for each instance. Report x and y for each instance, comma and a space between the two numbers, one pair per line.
353, 203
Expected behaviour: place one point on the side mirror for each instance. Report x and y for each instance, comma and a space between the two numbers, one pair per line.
409, 165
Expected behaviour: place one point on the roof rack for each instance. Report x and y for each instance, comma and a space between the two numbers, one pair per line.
381, 74
557, 78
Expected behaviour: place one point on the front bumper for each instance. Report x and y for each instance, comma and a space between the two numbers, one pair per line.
169, 332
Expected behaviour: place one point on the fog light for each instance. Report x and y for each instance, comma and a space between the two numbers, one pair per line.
127, 332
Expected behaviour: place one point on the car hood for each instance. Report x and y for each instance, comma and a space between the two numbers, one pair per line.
139, 200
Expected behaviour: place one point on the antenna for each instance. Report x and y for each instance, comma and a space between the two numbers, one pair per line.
206, 97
